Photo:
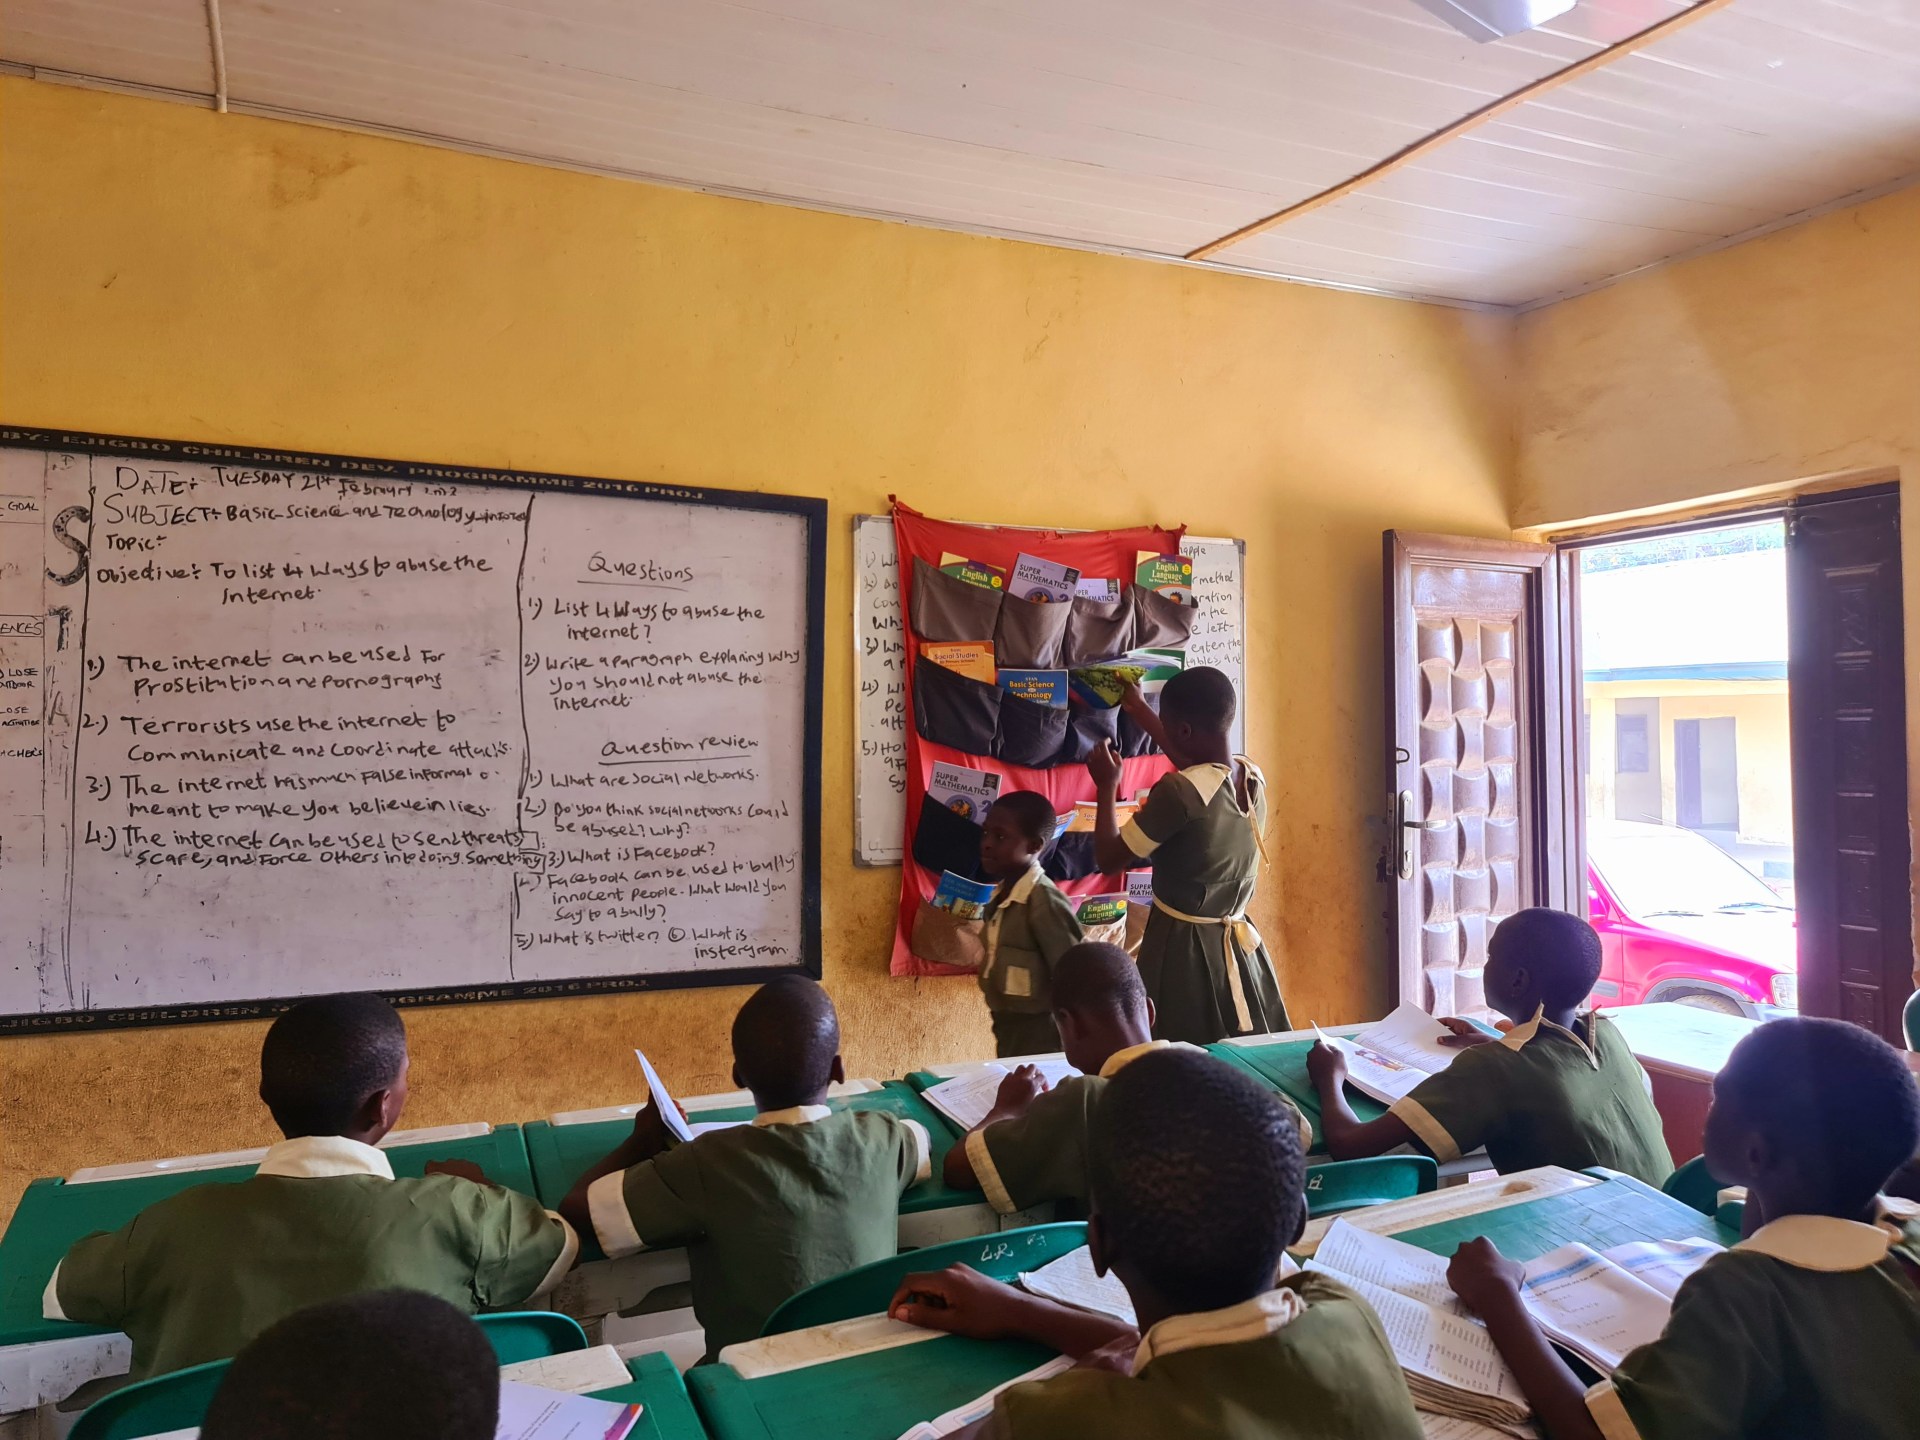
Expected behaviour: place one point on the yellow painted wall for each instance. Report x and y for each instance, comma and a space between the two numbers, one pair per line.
167, 271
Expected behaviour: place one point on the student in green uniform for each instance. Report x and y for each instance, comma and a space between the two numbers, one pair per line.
1032, 1146
393, 1362
1198, 1187
1810, 1326
1558, 1088
193, 1277
1204, 964
1030, 924
765, 1210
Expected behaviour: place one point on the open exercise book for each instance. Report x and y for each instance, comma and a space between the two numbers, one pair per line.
1387, 1060
1597, 1304
967, 1099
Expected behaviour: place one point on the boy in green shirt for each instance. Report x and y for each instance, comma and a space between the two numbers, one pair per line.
1032, 1146
1198, 1188
1558, 1088
1810, 1326
193, 1277
765, 1210
394, 1362
1029, 924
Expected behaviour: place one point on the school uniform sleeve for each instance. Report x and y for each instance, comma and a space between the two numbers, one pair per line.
523, 1250
1054, 922
1170, 807
91, 1284
655, 1203
1714, 1373
915, 1157
1454, 1112
1038, 1156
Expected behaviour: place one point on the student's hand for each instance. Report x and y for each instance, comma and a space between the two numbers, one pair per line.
960, 1301
1326, 1066
1018, 1090
1462, 1033
650, 1130
1482, 1277
465, 1169
1135, 704
1103, 767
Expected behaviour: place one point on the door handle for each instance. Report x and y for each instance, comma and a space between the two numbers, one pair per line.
1399, 808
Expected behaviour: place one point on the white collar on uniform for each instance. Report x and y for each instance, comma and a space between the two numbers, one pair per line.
320, 1157
1023, 887
1822, 1242
792, 1115
1207, 779
1519, 1035
1249, 1320
1120, 1059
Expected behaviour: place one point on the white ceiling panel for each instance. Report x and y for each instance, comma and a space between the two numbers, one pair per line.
1145, 125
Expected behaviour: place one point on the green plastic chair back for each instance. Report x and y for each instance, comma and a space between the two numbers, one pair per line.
1910, 1017
869, 1289
1349, 1184
531, 1334
1692, 1186
152, 1407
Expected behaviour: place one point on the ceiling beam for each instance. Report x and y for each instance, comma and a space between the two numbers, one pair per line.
1427, 145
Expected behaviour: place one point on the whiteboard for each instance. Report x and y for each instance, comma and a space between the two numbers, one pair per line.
278, 724
880, 670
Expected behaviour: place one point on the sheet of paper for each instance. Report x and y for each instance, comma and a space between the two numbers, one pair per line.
1404, 1269
1071, 1281
1455, 1427
1663, 1264
963, 1415
530, 1413
968, 1098
1592, 1306
577, 1372
840, 1340
1446, 1348
658, 1097
1387, 1060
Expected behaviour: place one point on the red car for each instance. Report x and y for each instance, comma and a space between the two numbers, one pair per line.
1682, 920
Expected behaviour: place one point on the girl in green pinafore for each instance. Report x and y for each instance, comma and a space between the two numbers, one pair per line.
1204, 964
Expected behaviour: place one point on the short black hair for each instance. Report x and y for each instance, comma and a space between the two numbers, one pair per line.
784, 1041
1033, 812
1197, 1178
1203, 697
387, 1362
1837, 1098
325, 1056
1094, 977
1562, 951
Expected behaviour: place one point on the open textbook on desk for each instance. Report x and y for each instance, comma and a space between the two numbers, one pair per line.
1386, 1061
968, 1099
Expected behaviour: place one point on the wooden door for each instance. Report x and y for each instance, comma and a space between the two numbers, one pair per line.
1478, 755
1846, 682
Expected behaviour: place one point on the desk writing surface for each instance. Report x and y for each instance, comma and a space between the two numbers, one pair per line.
657, 1386
867, 1397
1283, 1066
53, 1214
1615, 1213
561, 1153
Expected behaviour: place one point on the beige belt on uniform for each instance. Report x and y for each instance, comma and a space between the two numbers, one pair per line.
1242, 937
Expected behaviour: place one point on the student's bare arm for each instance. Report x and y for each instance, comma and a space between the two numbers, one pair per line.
1489, 1284
648, 1139
1347, 1136
1017, 1091
1110, 852
962, 1301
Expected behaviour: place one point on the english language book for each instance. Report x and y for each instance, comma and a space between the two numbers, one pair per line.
1102, 909
1168, 575
974, 572
1042, 580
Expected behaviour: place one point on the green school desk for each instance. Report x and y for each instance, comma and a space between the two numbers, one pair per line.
656, 1385
930, 1211
867, 1397
43, 1360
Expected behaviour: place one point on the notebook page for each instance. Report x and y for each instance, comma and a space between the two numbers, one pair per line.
529, 1413
1446, 1348
1663, 1264
1071, 1281
978, 1409
1455, 1427
967, 1099
1591, 1305
578, 1372
1404, 1269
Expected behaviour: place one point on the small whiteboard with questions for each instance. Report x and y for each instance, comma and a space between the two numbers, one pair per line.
880, 702
277, 724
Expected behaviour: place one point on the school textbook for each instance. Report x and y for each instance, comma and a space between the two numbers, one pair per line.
1386, 1061
962, 1416
967, 1098
1599, 1305
1071, 1280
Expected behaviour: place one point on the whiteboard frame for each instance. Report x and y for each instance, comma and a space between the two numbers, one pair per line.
811, 509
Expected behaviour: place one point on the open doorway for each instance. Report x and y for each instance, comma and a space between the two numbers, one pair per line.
1688, 767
